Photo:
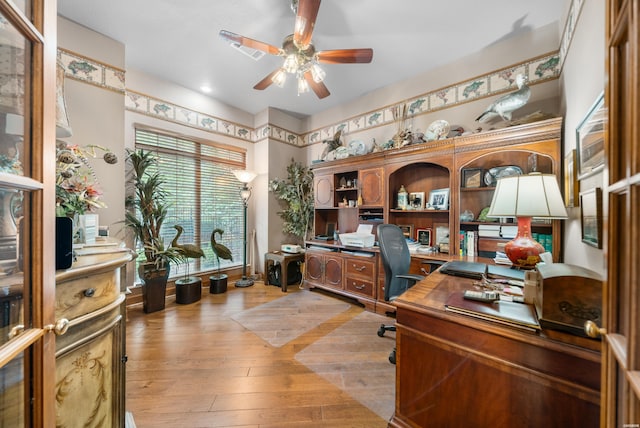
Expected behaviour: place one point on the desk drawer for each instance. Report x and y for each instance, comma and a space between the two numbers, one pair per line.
360, 286
357, 267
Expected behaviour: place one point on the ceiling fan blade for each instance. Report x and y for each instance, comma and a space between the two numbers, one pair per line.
345, 56
267, 81
251, 43
305, 21
318, 87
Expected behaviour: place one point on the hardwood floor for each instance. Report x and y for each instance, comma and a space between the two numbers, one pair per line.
194, 366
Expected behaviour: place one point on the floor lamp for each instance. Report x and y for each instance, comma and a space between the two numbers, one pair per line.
245, 177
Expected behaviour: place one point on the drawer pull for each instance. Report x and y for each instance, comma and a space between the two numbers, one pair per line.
359, 269
89, 292
359, 287
59, 328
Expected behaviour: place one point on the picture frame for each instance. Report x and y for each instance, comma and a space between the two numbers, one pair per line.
571, 183
407, 230
439, 199
423, 236
416, 201
591, 216
441, 236
472, 178
590, 140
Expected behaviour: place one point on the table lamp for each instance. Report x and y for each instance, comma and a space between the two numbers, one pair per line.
245, 177
524, 197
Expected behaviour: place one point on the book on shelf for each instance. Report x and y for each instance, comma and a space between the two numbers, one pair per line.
468, 243
509, 231
489, 230
512, 314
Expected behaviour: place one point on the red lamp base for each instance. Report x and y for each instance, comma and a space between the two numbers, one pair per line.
523, 251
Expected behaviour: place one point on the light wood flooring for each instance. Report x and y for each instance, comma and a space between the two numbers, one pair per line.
194, 366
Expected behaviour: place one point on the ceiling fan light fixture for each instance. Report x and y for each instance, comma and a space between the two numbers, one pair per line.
279, 78
317, 73
290, 64
303, 86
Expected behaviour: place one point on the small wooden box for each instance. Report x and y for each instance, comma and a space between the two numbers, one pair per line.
567, 297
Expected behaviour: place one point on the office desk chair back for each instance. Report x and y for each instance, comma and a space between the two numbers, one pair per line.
396, 261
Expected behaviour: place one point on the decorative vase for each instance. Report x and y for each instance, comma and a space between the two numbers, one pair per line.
188, 290
218, 284
523, 251
154, 288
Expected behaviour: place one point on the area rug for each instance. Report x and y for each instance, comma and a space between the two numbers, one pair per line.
284, 319
359, 367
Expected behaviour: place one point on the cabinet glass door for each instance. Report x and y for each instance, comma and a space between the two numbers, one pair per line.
27, 133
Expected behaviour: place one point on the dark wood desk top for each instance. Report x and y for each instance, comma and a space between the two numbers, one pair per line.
430, 296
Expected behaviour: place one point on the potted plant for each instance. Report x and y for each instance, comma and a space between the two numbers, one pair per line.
296, 196
218, 282
147, 210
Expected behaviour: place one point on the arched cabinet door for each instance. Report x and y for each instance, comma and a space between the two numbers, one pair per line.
372, 187
323, 191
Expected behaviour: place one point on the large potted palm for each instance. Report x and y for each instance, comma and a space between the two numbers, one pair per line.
146, 212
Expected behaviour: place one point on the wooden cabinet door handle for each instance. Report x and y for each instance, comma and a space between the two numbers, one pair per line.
359, 268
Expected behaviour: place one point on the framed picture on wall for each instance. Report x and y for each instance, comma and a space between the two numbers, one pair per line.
571, 183
590, 139
591, 216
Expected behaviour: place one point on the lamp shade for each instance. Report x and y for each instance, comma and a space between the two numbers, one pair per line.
244, 176
533, 195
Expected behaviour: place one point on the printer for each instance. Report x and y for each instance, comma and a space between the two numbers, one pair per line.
361, 238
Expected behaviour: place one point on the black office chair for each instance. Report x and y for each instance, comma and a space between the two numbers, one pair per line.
396, 260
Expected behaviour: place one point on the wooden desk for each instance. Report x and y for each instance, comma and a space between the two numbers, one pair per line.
454, 370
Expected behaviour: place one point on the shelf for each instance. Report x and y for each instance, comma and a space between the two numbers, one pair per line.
477, 223
395, 211
476, 189
346, 189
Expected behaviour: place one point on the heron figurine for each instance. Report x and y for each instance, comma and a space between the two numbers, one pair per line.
506, 104
188, 251
219, 250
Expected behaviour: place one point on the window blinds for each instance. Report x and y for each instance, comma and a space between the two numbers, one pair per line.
203, 192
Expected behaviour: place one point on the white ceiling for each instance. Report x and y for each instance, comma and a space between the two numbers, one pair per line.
177, 40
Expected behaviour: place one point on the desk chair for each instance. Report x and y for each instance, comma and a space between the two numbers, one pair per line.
396, 260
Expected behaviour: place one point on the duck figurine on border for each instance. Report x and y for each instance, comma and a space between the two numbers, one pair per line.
507, 104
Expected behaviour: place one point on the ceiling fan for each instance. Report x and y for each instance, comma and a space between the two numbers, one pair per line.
299, 53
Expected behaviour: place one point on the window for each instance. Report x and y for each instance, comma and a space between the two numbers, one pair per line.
203, 192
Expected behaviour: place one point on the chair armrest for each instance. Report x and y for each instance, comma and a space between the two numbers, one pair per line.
411, 277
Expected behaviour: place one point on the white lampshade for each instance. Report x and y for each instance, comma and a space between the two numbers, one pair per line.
244, 176
533, 195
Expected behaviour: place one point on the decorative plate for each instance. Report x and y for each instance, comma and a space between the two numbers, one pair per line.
492, 175
437, 130
356, 147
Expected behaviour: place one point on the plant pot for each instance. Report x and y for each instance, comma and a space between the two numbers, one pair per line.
154, 288
218, 284
188, 290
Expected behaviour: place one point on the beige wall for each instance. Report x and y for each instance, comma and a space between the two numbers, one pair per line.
582, 80
96, 115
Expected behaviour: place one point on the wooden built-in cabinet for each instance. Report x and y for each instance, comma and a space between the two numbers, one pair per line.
90, 351
421, 168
